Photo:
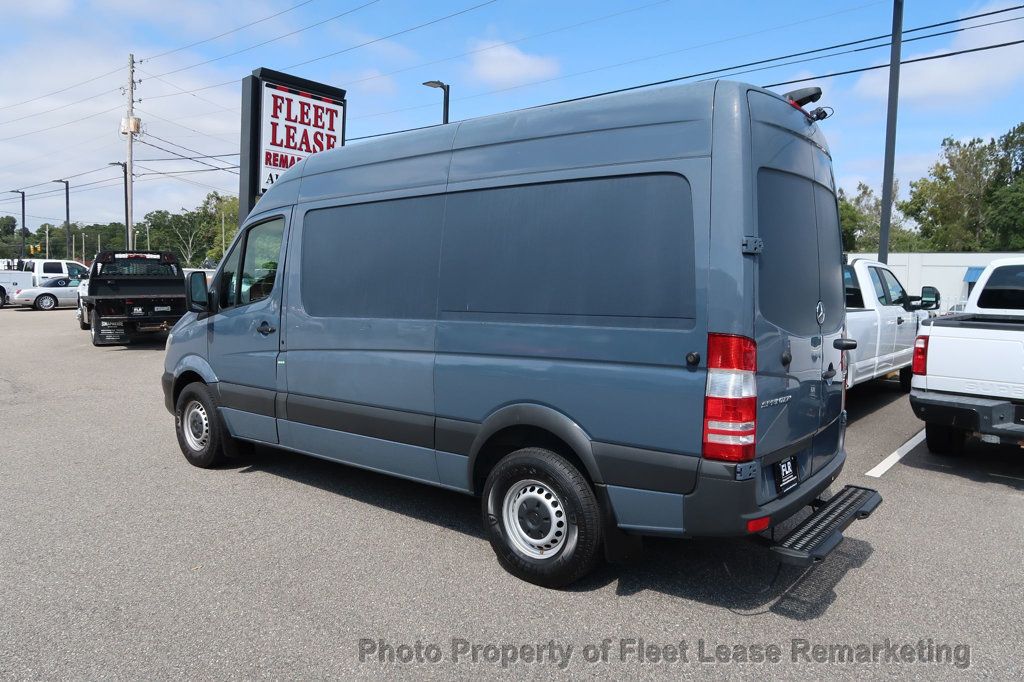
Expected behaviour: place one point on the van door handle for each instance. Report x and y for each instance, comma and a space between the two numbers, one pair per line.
899, 320
265, 328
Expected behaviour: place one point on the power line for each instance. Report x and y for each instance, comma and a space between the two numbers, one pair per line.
64, 89
347, 49
67, 177
180, 172
183, 157
61, 125
219, 138
392, 35
509, 42
59, 107
712, 71
268, 41
188, 181
188, 149
902, 61
190, 158
225, 33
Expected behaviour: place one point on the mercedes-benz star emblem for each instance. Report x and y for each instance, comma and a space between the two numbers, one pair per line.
821, 313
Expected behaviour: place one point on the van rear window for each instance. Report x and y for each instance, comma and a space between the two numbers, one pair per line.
802, 259
1004, 289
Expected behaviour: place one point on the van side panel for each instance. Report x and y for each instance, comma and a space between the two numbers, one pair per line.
360, 322
544, 313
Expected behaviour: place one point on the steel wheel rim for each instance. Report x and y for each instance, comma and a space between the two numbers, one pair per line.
535, 520
195, 426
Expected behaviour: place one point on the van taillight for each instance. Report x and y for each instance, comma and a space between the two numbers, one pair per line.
920, 365
730, 398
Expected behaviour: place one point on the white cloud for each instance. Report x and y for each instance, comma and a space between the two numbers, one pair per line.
37, 9
945, 82
501, 66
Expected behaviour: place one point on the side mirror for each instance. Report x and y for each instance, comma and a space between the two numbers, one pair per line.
197, 293
930, 298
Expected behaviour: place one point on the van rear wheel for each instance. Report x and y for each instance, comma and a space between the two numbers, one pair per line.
944, 440
542, 517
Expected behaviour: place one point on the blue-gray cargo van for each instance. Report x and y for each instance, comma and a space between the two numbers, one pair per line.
608, 318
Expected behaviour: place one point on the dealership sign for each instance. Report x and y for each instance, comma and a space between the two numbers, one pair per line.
284, 120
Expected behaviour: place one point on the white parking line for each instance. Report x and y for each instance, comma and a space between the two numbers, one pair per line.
889, 461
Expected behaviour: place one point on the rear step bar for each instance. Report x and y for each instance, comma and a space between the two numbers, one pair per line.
822, 531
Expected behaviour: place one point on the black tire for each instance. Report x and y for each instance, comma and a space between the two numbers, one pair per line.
45, 302
944, 440
906, 376
547, 485
3, 297
208, 442
83, 321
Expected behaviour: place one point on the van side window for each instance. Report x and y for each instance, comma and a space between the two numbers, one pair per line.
259, 266
618, 248
876, 281
228, 284
376, 259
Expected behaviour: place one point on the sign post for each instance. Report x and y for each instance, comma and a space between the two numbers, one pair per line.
284, 119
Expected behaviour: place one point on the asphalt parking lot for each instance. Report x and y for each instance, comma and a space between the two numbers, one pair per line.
119, 560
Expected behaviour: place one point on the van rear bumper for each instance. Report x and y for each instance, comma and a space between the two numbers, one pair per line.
719, 505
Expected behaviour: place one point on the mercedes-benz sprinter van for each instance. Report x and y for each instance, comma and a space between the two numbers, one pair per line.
608, 318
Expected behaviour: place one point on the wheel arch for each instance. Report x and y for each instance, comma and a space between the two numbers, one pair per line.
529, 424
190, 369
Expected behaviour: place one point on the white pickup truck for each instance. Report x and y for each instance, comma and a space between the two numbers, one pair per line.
884, 321
969, 368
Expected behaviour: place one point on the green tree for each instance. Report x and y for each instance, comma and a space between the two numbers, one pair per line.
949, 205
861, 217
1004, 216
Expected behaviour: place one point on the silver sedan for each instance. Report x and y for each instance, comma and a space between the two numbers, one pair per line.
53, 293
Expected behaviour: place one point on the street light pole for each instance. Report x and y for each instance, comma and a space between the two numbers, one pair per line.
23, 228
68, 239
127, 215
445, 89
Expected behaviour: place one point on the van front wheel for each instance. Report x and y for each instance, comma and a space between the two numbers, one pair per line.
542, 518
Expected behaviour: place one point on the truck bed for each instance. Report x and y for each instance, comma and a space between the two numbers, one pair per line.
980, 355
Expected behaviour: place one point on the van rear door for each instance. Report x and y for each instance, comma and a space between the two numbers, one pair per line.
799, 304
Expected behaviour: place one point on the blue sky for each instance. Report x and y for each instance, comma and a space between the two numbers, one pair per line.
503, 55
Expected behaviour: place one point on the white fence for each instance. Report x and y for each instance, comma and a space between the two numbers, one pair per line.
947, 271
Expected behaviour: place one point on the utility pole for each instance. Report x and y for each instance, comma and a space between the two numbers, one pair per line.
223, 242
69, 242
47, 240
890, 129
23, 228
130, 128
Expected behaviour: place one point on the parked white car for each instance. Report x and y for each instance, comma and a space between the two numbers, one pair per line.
883, 319
969, 368
59, 292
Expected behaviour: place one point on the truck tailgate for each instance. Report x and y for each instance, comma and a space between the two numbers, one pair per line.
979, 359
